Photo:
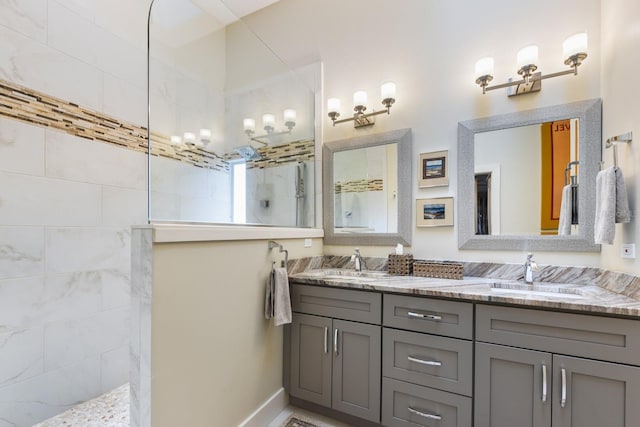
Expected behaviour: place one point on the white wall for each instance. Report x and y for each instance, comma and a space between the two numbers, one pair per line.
66, 205
429, 49
620, 39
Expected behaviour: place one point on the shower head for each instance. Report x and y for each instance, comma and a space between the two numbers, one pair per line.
248, 152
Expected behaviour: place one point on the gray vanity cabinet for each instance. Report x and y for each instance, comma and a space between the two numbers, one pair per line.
509, 387
538, 386
335, 362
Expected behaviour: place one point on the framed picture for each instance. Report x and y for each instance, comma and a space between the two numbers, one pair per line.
433, 169
437, 212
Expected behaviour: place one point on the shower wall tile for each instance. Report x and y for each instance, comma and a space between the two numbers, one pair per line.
78, 159
70, 33
85, 8
30, 200
84, 249
28, 17
114, 367
125, 100
123, 207
36, 301
69, 342
21, 251
115, 289
21, 355
21, 148
27, 402
23, 60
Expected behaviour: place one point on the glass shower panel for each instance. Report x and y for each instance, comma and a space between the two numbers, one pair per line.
208, 72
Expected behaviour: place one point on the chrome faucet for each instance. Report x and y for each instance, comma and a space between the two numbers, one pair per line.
529, 267
357, 259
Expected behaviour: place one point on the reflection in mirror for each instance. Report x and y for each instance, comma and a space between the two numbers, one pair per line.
518, 166
365, 187
366, 194
208, 72
520, 175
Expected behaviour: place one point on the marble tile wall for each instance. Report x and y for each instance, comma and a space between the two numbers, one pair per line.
67, 205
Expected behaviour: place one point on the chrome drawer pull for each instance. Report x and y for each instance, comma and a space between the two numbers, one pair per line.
335, 342
422, 414
544, 383
424, 316
563, 398
326, 338
424, 362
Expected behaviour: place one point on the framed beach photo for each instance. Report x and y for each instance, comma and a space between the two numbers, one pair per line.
437, 212
433, 169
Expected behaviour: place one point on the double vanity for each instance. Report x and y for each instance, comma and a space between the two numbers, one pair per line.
375, 349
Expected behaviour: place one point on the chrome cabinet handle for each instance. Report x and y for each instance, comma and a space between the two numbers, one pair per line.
424, 316
326, 339
563, 397
544, 383
424, 415
424, 362
335, 342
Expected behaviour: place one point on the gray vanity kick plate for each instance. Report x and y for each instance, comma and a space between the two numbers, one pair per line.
455, 356
401, 401
359, 306
456, 317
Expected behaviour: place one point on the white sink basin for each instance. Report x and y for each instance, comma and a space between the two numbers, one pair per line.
537, 289
344, 274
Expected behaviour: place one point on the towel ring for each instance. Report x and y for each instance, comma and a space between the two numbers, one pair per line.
272, 245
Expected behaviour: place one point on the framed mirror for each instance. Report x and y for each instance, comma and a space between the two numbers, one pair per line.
516, 166
367, 189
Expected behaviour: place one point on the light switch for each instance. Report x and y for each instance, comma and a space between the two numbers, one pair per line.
307, 243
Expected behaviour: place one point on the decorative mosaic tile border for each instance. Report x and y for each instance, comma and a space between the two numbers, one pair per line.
36, 108
359, 186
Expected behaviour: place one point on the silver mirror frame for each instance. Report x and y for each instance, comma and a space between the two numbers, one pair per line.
589, 114
405, 174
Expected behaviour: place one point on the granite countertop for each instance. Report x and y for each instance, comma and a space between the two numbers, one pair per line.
589, 298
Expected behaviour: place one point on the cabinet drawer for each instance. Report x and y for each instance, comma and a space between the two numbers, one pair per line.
428, 360
433, 316
359, 306
593, 337
405, 404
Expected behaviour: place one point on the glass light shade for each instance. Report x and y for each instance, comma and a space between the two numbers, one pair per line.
268, 120
289, 115
360, 98
388, 90
528, 56
333, 105
249, 124
205, 134
189, 137
574, 44
484, 67
175, 140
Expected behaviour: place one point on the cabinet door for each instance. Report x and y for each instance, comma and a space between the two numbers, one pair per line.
596, 394
311, 358
510, 387
356, 369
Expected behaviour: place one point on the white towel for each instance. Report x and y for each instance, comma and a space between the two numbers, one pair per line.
277, 304
612, 205
566, 207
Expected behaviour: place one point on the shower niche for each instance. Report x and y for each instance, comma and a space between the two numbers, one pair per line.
232, 128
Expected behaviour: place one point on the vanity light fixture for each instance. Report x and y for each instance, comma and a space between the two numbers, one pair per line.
360, 118
574, 50
189, 140
268, 124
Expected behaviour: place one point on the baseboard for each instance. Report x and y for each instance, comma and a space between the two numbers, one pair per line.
268, 411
